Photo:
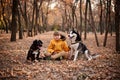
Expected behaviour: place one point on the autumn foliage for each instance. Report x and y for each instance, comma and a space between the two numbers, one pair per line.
14, 66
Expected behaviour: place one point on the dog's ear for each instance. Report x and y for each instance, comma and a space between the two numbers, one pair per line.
35, 41
62, 37
40, 41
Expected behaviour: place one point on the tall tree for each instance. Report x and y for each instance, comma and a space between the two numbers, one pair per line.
101, 15
117, 25
14, 20
85, 29
25, 15
20, 27
3, 14
33, 26
107, 20
92, 22
80, 10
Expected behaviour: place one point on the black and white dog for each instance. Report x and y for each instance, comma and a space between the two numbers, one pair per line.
34, 51
77, 46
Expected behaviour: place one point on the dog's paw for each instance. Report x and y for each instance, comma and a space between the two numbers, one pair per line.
35, 61
89, 59
74, 59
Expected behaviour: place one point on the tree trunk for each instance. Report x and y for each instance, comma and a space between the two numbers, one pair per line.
46, 16
76, 22
107, 22
4, 19
20, 27
36, 20
33, 26
14, 20
25, 15
80, 10
117, 25
109, 18
93, 23
85, 32
100, 22
73, 7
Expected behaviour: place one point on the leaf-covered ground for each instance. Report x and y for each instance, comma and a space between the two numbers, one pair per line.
13, 65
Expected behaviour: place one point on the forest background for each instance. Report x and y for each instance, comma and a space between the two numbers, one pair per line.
97, 22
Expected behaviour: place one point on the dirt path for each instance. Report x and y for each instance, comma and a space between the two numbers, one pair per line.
13, 65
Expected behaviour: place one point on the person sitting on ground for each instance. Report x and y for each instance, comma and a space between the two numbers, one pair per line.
58, 47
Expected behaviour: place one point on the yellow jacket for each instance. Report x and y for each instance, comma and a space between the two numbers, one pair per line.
58, 46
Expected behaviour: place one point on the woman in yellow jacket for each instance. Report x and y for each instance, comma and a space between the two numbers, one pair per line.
58, 47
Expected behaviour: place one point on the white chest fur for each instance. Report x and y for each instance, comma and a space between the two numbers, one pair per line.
35, 52
75, 46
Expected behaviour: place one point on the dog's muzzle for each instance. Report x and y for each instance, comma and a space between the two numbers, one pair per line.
39, 47
70, 36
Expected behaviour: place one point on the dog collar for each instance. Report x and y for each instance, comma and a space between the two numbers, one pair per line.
76, 42
34, 50
73, 43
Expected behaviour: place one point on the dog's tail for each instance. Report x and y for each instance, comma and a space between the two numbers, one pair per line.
95, 55
91, 56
